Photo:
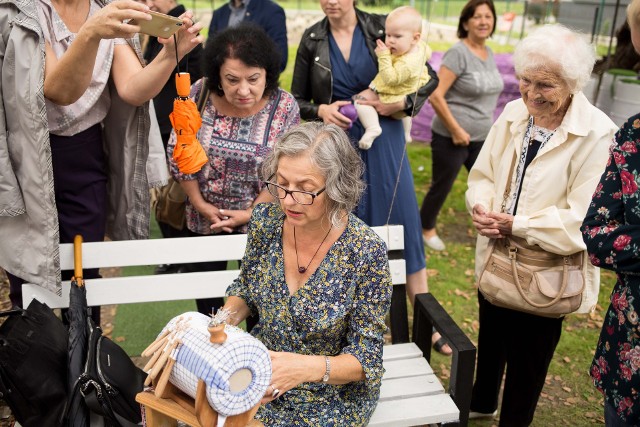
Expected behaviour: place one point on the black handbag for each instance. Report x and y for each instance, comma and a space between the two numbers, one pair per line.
33, 365
110, 380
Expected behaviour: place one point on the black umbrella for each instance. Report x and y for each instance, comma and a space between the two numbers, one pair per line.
78, 415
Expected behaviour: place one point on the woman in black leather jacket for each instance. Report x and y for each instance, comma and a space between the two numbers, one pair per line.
335, 61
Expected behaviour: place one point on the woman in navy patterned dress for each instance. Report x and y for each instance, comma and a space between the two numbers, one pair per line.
611, 231
319, 279
244, 115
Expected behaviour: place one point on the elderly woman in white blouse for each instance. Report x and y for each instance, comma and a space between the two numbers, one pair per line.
557, 143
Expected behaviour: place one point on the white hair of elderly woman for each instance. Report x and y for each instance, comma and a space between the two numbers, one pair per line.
556, 46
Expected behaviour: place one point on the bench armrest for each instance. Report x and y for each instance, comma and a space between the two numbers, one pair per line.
427, 314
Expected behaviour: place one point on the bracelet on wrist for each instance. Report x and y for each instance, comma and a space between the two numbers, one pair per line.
327, 364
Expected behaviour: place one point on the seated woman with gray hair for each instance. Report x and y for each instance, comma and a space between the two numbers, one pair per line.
318, 278
549, 149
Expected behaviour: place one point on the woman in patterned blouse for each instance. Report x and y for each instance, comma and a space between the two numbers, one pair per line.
319, 279
611, 231
244, 115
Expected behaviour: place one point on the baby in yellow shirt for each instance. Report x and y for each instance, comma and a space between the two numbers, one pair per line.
401, 71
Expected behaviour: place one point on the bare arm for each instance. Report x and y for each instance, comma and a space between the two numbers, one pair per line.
447, 78
68, 77
238, 308
137, 85
290, 370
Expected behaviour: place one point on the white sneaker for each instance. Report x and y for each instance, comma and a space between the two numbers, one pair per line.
473, 415
434, 242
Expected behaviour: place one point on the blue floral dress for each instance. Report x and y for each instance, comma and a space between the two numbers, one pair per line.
339, 310
611, 231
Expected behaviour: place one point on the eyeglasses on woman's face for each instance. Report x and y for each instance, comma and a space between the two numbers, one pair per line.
298, 196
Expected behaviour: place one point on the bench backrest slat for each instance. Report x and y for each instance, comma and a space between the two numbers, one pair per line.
170, 287
182, 250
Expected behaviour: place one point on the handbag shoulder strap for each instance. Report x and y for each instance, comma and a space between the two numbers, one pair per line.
203, 96
507, 189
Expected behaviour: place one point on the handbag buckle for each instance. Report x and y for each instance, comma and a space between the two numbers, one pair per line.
512, 252
85, 387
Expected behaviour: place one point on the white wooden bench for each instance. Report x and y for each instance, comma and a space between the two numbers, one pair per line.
411, 394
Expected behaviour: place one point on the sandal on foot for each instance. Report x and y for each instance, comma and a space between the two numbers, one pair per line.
439, 346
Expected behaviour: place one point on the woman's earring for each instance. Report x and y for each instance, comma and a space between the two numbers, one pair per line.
219, 86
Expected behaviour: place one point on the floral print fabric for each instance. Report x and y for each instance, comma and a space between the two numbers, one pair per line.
236, 148
340, 310
611, 231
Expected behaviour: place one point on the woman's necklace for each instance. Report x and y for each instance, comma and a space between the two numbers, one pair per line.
303, 270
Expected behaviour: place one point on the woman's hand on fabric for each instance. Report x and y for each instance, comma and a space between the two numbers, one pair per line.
461, 137
112, 21
484, 224
188, 36
502, 222
288, 370
329, 113
230, 219
384, 109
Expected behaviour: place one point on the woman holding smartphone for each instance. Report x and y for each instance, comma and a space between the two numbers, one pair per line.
75, 123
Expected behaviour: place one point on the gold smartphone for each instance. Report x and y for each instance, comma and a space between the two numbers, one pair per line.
160, 25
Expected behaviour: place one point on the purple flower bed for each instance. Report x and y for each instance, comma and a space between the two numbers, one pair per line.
421, 129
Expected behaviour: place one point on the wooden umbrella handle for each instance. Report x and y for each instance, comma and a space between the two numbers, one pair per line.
77, 256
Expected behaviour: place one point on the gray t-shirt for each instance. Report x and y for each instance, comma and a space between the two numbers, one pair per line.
473, 96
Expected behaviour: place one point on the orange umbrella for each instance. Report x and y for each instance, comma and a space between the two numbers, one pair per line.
186, 120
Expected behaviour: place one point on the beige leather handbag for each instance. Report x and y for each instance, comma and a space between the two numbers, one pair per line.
525, 277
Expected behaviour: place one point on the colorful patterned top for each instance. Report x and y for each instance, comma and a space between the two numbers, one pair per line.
339, 310
236, 148
611, 231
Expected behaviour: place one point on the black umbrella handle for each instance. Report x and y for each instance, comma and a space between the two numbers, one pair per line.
12, 312
77, 259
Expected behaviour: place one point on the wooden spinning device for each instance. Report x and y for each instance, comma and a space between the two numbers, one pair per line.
165, 405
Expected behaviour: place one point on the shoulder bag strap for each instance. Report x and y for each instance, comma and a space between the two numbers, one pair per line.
507, 189
203, 96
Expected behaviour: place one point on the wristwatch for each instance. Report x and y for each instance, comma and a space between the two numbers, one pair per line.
325, 377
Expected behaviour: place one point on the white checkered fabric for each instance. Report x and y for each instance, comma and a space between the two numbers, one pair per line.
197, 358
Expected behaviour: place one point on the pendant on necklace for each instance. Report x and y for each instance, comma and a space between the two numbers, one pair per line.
301, 270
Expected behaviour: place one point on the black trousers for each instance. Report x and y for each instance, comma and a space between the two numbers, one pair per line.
525, 343
80, 185
446, 161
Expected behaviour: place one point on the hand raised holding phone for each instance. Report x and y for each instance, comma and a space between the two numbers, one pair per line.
160, 25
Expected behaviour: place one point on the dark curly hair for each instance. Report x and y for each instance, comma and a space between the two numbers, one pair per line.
248, 43
467, 13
